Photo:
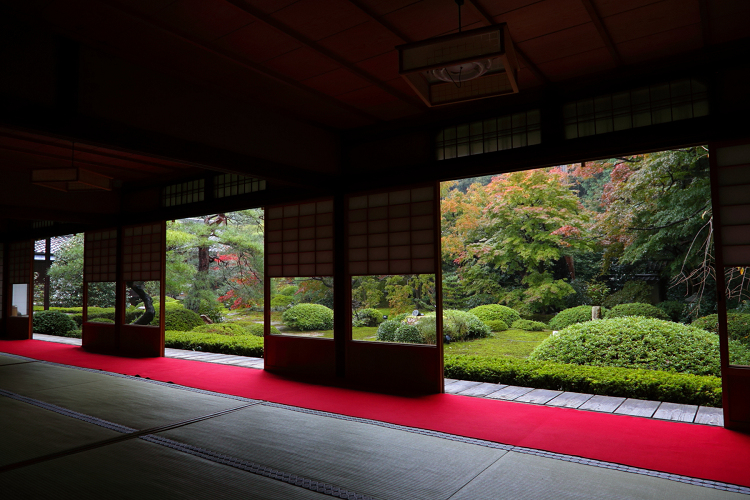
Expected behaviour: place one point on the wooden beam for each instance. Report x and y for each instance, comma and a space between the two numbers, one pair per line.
365, 9
286, 30
521, 55
603, 33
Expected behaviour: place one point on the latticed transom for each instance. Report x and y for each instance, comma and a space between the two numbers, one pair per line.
142, 248
299, 239
19, 256
392, 232
100, 255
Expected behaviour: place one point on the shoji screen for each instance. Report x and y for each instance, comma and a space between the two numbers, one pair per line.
393, 232
299, 243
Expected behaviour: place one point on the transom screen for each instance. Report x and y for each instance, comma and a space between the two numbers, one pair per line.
142, 252
392, 232
19, 257
100, 255
299, 239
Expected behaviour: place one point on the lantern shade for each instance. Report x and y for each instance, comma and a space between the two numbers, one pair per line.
425, 65
70, 179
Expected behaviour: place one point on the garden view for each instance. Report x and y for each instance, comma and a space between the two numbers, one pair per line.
594, 277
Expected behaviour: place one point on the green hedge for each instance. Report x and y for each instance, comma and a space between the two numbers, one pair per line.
571, 316
52, 323
636, 309
634, 342
367, 317
178, 319
498, 325
306, 317
494, 312
608, 381
738, 325
529, 326
240, 345
387, 330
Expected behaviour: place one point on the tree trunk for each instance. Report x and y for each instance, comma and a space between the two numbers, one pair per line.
148, 302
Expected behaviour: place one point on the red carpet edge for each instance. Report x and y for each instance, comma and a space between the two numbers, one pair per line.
705, 452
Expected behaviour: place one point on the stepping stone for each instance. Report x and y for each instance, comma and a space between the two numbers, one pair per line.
460, 385
709, 416
538, 396
510, 392
606, 404
676, 412
638, 408
482, 389
569, 400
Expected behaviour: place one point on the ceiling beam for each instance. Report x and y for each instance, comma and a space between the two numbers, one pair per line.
248, 64
286, 30
603, 33
521, 55
369, 12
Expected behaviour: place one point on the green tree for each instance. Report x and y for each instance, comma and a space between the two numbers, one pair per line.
507, 237
66, 279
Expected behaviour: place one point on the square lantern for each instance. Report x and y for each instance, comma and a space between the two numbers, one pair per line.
71, 179
461, 67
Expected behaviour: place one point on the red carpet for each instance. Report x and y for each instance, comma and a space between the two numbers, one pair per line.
692, 450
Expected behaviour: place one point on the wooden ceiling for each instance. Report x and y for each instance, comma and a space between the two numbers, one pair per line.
333, 62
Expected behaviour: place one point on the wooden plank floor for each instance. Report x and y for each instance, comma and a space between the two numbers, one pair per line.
621, 406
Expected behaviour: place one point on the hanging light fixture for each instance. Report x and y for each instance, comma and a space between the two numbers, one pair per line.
71, 179
461, 67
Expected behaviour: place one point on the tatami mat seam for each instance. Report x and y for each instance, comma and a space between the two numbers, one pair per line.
151, 437
441, 435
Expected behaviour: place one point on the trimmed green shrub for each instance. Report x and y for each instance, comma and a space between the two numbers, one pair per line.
306, 317
408, 333
427, 326
738, 325
241, 345
401, 317
221, 329
636, 309
571, 316
387, 330
182, 320
288, 290
608, 381
494, 312
257, 329
462, 325
529, 326
633, 291
103, 320
52, 323
68, 310
367, 317
634, 342
739, 353
672, 308
280, 302
498, 325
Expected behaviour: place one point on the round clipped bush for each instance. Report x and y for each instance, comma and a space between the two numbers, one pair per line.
182, 320
634, 342
497, 325
636, 309
528, 325
672, 308
738, 325
53, 323
633, 291
387, 330
571, 316
306, 317
367, 317
280, 302
492, 312
408, 333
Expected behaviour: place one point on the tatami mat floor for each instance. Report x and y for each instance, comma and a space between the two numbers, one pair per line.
76, 433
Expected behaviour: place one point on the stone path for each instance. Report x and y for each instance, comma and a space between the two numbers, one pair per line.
621, 406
